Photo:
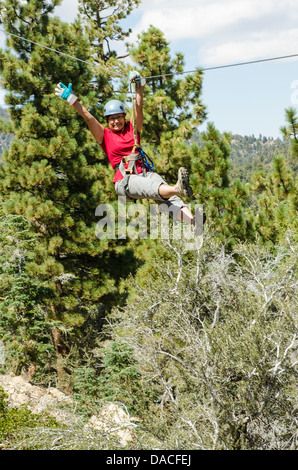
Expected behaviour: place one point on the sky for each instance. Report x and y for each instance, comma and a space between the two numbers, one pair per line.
245, 100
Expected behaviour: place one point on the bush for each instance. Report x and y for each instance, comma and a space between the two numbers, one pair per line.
115, 379
215, 337
15, 421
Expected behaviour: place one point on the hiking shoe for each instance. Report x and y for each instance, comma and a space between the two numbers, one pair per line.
182, 184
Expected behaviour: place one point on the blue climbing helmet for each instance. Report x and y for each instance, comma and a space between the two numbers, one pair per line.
114, 107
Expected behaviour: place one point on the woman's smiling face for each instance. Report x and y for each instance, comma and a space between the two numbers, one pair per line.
116, 122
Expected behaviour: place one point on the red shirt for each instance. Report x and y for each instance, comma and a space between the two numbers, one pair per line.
120, 144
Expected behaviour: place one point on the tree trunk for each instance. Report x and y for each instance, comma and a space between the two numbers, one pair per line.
61, 352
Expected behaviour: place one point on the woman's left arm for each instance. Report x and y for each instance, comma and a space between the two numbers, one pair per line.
139, 84
139, 108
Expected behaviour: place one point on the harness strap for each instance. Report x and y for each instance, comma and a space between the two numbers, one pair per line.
131, 160
127, 172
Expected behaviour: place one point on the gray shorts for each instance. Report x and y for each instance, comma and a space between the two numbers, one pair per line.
146, 187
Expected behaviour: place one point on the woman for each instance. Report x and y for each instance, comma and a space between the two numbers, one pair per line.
118, 141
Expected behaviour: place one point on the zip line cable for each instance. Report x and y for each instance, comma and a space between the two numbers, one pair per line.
204, 69
62, 53
237, 64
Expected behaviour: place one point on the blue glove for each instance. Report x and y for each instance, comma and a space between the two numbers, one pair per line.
65, 93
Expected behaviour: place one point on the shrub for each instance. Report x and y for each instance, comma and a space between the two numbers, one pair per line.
14, 421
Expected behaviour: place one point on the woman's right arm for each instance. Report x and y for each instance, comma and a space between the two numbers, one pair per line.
96, 129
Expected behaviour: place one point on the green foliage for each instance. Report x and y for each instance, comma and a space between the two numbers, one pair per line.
250, 154
224, 200
116, 379
199, 346
290, 130
5, 139
25, 326
52, 173
120, 377
15, 421
215, 338
277, 200
44, 148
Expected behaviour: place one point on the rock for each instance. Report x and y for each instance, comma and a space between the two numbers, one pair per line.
37, 399
113, 419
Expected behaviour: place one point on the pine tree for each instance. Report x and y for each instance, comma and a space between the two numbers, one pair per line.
275, 193
290, 132
25, 325
52, 173
277, 201
224, 200
101, 22
102, 19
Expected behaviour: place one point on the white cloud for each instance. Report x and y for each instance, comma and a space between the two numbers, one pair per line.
225, 30
67, 11
200, 19
257, 46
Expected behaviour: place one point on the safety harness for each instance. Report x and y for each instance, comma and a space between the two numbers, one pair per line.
137, 154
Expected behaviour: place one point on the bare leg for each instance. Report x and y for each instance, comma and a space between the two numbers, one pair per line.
185, 215
166, 191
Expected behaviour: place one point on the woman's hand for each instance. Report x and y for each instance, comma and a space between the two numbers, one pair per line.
65, 93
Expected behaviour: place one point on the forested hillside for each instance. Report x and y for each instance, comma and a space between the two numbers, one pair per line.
194, 338
250, 153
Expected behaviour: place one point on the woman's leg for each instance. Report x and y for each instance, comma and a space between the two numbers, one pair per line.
181, 188
166, 191
154, 187
185, 216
